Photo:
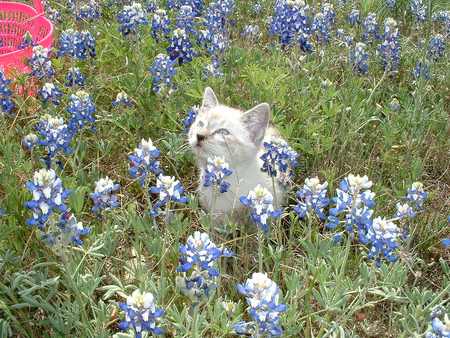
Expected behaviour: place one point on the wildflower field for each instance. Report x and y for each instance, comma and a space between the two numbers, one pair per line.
101, 231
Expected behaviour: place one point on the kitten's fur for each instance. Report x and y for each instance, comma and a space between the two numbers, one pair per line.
242, 148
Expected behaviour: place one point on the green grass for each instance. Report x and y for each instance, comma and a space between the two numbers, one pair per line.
331, 290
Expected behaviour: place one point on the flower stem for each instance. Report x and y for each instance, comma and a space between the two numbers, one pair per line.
5, 129
194, 322
78, 299
145, 189
257, 335
260, 254
164, 252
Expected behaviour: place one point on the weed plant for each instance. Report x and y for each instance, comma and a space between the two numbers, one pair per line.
101, 233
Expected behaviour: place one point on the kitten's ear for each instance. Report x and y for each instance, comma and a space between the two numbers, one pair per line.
209, 100
256, 120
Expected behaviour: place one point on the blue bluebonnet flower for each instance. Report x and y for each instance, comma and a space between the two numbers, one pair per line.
416, 195
131, 17
6, 105
50, 92
215, 20
76, 44
48, 194
71, 6
390, 47
358, 58
56, 136
291, 24
180, 48
50, 12
257, 9
312, 197
443, 16
370, 26
201, 251
63, 232
173, 4
260, 200
323, 23
216, 170
436, 47
422, 70
436, 311
200, 254
89, 42
119, 3
418, 11
218, 44
229, 306
394, 105
144, 160
31, 140
75, 77
213, 69
404, 212
204, 38
160, 24
140, 313
27, 41
277, 159
382, 235
169, 189
196, 5
82, 109
446, 242
186, 20
163, 72
152, 6
390, 4
102, 196
262, 298
192, 114
327, 83
251, 32
88, 11
40, 64
354, 201
121, 98
216, 16
441, 328
348, 40
83, 13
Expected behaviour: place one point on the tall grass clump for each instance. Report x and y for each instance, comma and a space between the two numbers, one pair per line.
101, 231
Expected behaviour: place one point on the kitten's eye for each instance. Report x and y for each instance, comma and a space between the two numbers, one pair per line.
200, 124
223, 132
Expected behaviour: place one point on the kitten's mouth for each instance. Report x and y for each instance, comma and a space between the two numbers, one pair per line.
199, 148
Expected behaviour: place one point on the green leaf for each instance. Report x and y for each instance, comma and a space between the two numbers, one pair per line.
305, 146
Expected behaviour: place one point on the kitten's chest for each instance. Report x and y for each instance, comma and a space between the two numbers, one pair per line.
245, 177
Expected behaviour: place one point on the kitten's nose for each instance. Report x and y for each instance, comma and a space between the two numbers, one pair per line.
200, 137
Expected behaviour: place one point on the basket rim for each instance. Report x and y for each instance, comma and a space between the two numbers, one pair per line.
42, 22
37, 4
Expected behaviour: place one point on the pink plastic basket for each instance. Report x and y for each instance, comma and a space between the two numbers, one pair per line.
15, 20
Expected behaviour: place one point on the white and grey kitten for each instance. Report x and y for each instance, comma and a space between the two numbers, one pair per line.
219, 130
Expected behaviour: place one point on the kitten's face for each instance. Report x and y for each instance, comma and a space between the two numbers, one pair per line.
223, 131
217, 133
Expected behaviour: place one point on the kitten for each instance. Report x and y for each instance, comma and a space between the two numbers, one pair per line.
238, 136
